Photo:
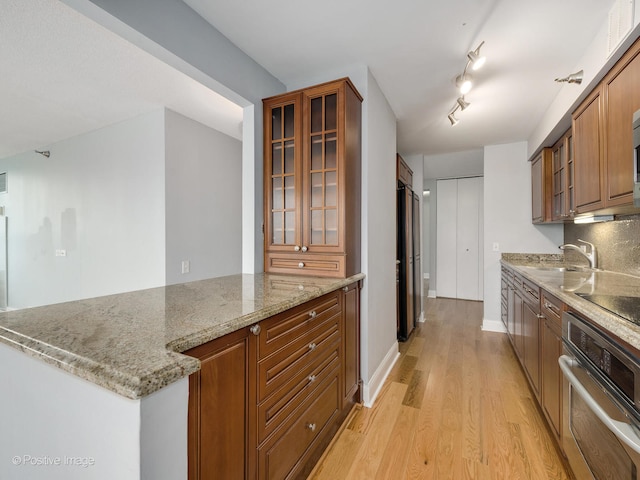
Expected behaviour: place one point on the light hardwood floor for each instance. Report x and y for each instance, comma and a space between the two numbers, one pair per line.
455, 406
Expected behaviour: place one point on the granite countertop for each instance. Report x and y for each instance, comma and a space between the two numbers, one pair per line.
130, 343
566, 284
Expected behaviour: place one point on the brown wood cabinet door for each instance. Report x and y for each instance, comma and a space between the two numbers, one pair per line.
221, 406
540, 187
588, 154
531, 344
622, 100
551, 376
351, 344
518, 334
282, 173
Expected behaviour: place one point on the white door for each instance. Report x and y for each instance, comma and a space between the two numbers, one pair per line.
468, 238
446, 233
459, 265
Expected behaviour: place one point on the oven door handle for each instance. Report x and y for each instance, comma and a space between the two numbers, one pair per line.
621, 430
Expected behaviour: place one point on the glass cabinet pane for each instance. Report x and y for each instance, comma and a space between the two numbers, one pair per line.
331, 112
331, 190
316, 190
316, 152
316, 115
283, 171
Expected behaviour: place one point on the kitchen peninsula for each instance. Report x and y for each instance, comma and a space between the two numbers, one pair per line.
129, 420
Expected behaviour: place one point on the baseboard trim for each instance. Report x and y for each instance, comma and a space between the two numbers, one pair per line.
371, 389
493, 326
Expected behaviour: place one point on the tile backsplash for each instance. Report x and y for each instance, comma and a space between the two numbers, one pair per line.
617, 243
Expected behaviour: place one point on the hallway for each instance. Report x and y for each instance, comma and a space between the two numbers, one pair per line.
455, 406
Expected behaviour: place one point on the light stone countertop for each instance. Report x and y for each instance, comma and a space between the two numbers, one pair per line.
130, 342
565, 284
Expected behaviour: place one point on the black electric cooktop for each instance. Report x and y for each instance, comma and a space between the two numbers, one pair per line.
625, 307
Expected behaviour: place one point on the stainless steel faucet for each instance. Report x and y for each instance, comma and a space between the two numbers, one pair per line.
591, 255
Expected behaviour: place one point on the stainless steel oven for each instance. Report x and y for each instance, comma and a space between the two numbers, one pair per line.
601, 400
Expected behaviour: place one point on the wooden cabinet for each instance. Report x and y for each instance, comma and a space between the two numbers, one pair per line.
621, 100
531, 333
562, 174
588, 153
222, 446
268, 399
312, 149
404, 245
551, 349
541, 187
602, 136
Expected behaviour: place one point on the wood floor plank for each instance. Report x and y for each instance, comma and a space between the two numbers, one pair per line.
456, 405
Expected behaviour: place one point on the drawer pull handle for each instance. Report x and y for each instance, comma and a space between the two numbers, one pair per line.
311, 426
305, 248
255, 329
539, 315
312, 346
312, 314
551, 307
301, 265
312, 378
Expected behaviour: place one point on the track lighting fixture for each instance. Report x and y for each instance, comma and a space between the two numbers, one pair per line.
464, 81
475, 59
44, 153
572, 78
463, 104
452, 118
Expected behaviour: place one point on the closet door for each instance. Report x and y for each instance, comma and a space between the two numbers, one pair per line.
468, 239
446, 238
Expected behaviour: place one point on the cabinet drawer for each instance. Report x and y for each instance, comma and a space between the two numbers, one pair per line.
309, 264
286, 449
530, 293
277, 408
552, 311
283, 329
297, 358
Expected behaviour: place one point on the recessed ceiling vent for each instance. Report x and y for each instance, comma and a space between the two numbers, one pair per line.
3, 182
620, 23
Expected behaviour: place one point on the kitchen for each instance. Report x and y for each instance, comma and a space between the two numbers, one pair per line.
378, 351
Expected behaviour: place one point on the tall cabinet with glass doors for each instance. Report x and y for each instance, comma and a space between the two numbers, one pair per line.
312, 150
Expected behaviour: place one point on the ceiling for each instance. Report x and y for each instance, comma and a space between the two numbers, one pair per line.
61, 74
416, 48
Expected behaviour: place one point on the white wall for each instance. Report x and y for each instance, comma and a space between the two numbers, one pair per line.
453, 165
595, 63
203, 200
99, 197
50, 415
507, 221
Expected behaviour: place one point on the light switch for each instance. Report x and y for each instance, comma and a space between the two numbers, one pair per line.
496, 247
186, 266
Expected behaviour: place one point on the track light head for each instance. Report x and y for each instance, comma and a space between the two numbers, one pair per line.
452, 118
475, 59
464, 82
572, 78
463, 104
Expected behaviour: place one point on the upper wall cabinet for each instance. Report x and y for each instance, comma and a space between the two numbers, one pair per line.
541, 187
562, 175
312, 149
602, 135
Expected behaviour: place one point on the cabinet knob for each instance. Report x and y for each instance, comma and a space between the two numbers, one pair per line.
304, 248
296, 248
312, 314
311, 426
345, 289
540, 316
301, 265
312, 346
312, 378
255, 329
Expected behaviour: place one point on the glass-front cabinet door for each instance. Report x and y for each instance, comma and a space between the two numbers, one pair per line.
282, 174
321, 168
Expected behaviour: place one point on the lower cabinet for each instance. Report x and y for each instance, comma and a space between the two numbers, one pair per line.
269, 398
534, 325
551, 349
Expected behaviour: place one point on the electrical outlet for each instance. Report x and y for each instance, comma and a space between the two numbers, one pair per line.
186, 266
61, 253
496, 247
